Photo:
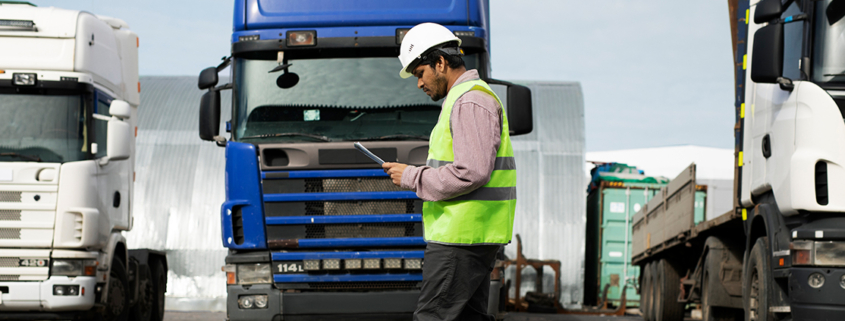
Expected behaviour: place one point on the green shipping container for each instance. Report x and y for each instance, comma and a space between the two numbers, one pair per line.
613, 197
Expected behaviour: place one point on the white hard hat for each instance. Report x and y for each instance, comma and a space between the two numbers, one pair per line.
419, 40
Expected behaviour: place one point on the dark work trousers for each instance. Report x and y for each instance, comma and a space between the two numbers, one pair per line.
456, 282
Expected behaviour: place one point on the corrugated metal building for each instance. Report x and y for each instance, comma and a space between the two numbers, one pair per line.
179, 189
551, 197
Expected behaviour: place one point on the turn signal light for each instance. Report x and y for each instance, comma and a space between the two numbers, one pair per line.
90, 270
230, 270
802, 252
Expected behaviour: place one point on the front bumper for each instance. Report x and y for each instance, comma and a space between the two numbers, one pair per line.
825, 303
38, 295
367, 305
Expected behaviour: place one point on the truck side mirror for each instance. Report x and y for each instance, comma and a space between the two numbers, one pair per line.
767, 10
118, 138
120, 108
767, 65
520, 115
210, 115
208, 78
517, 100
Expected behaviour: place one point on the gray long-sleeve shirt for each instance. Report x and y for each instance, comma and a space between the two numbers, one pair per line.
476, 123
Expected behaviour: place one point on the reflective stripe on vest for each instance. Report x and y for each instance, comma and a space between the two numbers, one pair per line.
485, 215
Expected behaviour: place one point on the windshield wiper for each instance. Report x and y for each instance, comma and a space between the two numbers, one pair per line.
323, 138
388, 137
33, 158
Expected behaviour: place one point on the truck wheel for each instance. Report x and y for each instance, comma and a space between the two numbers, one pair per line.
159, 282
756, 286
645, 292
117, 308
142, 310
667, 288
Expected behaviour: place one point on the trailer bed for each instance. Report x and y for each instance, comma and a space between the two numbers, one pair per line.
668, 220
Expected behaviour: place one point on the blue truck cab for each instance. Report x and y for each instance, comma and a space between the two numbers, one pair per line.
313, 227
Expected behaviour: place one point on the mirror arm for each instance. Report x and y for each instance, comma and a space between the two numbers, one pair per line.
785, 83
220, 141
492, 81
103, 161
797, 17
101, 117
226, 62
223, 87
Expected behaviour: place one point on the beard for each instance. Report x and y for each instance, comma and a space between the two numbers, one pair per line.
438, 90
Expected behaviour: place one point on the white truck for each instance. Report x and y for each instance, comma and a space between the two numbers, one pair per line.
69, 95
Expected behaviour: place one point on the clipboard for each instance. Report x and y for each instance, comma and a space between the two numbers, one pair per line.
368, 153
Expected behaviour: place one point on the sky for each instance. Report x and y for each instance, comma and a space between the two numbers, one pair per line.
653, 73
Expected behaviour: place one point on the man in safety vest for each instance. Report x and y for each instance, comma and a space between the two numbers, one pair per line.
468, 183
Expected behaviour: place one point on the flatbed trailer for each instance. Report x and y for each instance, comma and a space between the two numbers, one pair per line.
677, 257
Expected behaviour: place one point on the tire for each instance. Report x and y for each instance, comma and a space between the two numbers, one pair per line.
667, 288
159, 278
645, 292
652, 269
142, 310
756, 284
117, 308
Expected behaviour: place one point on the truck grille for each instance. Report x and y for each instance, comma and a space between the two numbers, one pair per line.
364, 285
10, 215
336, 231
9, 261
10, 197
9, 277
368, 207
330, 185
10, 233
322, 231
343, 208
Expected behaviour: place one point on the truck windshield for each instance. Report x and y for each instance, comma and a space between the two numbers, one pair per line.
829, 44
48, 128
335, 99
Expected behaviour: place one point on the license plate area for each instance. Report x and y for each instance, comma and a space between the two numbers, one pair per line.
284, 267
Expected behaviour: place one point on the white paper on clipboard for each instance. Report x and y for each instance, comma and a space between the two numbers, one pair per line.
367, 152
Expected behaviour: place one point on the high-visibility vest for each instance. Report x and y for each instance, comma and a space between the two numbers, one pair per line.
485, 215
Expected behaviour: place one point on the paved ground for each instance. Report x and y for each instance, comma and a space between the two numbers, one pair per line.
220, 316
194, 316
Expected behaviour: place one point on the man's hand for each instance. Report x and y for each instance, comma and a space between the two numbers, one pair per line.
395, 171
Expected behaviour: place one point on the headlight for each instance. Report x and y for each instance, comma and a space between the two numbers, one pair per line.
74, 267
820, 253
829, 253
254, 273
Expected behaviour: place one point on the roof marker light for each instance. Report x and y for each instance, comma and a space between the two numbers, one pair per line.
302, 38
24, 79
